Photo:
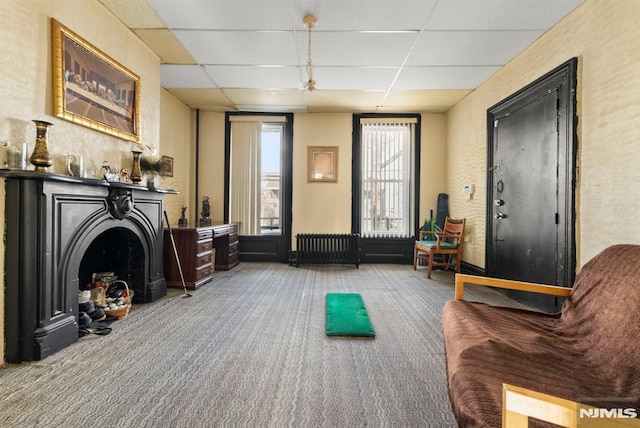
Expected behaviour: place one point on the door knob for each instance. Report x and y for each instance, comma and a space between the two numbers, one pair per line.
500, 215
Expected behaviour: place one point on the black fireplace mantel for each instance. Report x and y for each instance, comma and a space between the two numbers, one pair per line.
50, 221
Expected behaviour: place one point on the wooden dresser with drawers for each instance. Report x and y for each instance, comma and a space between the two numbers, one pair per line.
201, 250
225, 241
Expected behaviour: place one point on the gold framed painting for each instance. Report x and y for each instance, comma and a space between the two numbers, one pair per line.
92, 89
322, 163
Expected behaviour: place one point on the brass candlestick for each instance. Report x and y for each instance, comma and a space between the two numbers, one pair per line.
40, 157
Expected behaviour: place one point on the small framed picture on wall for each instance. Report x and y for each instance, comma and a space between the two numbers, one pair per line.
169, 161
322, 163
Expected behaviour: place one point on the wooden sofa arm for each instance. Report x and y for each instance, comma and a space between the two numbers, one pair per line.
518, 404
462, 279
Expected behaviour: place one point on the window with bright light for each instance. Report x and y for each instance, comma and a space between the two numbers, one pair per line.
387, 171
256, 175
271, 175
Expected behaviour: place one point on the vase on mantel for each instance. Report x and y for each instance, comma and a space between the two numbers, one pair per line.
40, 158
136, 171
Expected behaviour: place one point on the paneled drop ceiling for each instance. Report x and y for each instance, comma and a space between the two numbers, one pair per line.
368, 55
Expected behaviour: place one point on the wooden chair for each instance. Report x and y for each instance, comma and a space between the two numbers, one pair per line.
448, 244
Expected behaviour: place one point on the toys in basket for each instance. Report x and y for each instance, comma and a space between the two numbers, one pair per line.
118, 299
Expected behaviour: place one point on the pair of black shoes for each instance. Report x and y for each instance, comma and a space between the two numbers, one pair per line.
87, 326
89, 308
84, 320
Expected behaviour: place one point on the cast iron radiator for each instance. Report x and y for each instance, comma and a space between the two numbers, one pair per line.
328, 248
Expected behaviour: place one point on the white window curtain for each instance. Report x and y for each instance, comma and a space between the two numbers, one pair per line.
244, 205
245, 187
387, 159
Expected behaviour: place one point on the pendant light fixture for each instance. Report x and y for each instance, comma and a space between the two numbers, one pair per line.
310, 21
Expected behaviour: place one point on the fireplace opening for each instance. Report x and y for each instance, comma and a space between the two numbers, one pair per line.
117, 250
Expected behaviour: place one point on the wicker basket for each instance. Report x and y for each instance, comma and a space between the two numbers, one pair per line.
123, 311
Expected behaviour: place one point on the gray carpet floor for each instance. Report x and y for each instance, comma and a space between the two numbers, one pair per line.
249, 350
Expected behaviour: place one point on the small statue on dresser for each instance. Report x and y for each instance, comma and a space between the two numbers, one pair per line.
206, 212
182, 221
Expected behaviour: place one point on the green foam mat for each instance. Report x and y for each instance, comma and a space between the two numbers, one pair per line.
346, 315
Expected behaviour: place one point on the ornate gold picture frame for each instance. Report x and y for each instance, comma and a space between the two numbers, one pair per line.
92, 89
322, 163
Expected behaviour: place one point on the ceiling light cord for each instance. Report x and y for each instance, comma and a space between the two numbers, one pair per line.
310, 22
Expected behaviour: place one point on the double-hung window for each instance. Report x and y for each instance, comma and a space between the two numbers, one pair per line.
386, 165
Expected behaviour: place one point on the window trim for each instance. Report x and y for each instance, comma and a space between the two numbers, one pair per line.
265, 247
356, 173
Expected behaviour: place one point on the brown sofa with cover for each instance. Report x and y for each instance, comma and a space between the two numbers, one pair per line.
589, 352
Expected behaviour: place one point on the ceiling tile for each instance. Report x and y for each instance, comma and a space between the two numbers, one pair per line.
203, 98
499, 14
443, 77
358, 48
470, 47
184, 76
226, 14
240, 47
436, 101
248, 97
255, 76
362, 100
366, 15
354, 78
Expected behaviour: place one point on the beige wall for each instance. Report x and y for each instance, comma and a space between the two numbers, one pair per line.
25, 92
432, 163
320, 207
211, 164
605, 36
177, 122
